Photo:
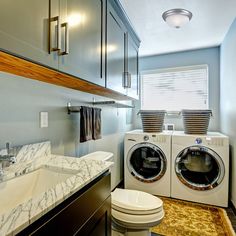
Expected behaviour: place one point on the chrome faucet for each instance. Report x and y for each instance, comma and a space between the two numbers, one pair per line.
7, 159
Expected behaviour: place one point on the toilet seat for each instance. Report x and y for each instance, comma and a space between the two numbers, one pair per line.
136, 209
135, 202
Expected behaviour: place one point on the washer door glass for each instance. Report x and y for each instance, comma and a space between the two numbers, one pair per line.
199, 168
146, 162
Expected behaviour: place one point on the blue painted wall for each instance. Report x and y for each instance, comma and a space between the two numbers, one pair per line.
209, 56
228, 98
22, 99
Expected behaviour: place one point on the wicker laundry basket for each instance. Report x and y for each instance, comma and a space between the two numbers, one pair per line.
196, 121
152, 120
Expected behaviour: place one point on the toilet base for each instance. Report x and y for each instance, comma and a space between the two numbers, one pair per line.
118, 230
131, 233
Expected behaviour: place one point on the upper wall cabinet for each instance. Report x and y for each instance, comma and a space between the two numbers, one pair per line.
83, 39
24, 29
115, 51
121, 52
89, 39
132, 67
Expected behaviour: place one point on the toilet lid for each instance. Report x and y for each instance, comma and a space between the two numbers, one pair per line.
135, 201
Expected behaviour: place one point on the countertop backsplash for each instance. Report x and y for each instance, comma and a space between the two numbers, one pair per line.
31, 152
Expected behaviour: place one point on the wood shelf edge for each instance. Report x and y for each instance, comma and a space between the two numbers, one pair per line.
21, 67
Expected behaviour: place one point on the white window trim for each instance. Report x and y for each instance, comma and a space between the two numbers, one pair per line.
173, 69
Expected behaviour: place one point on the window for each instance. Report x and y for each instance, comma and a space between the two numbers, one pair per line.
174, 89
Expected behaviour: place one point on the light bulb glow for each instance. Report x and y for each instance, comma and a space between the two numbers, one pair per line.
76, 19
177, 21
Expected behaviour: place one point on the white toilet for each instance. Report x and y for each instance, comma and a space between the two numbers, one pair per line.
133, 212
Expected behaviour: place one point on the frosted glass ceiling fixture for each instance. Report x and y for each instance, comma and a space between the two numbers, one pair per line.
177, 17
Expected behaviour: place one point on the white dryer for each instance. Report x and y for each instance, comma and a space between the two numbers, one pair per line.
200, 168
147, 162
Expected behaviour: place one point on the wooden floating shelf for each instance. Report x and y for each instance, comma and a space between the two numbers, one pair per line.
21, 67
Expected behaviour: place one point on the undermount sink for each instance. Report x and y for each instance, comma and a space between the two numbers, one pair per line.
20, 189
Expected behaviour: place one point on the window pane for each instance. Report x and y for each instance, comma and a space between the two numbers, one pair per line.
173, 89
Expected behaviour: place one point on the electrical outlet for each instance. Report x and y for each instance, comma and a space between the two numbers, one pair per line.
43, 119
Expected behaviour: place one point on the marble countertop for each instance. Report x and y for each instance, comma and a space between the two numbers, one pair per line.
13, 221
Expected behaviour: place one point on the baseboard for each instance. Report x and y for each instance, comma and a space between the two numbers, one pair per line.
231, 205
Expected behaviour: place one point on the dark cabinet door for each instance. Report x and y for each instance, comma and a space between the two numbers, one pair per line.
100, 223
133, 70
82, 39
115, 52
24, 29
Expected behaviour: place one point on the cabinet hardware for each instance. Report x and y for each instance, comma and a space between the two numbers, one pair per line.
66, 49
58, 34
138, 75
129, 80
126, 80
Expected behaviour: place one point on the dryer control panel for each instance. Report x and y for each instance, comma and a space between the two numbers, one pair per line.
215, 141
211, 141
198, 140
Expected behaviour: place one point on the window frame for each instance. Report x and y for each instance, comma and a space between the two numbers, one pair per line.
175, 69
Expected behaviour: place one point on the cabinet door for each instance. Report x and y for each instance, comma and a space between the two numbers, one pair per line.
132, 63
115, 52
99, 223
83, 52
24, 29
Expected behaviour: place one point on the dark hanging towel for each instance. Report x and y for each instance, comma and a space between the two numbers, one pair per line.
97, 123
86, 120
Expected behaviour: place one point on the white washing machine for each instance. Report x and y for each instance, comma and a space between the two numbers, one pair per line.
147, 162
200, 168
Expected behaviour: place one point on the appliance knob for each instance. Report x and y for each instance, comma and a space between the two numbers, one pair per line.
146, 138
198, 141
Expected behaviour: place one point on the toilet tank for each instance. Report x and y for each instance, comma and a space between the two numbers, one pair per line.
103, 156
100, 156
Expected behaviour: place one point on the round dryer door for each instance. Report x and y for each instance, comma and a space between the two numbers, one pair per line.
199, 168
146, 162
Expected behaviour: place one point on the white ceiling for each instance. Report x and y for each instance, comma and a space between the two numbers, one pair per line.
208, 27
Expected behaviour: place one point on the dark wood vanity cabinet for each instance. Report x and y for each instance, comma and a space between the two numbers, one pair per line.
87, 212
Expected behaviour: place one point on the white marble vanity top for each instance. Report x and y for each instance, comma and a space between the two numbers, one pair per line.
85, 170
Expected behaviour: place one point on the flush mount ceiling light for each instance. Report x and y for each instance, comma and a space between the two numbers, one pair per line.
177, 17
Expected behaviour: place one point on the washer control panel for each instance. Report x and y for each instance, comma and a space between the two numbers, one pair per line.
154, 138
